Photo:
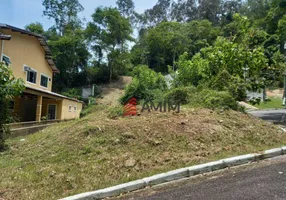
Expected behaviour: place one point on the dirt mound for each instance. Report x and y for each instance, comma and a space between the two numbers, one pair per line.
275, 93
113, 91
96, 152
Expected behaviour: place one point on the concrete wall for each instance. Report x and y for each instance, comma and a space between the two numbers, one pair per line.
26, 50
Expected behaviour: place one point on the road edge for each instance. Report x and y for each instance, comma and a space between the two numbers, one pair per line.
178, 174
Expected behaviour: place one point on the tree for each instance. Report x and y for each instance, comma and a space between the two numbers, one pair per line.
36, 27
108, 32
64, 12
10, 87
71, 55
126, 7
161, 46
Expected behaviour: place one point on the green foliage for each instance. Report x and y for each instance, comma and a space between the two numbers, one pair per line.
108, 32
214, 100
87, 110
73, 93
234, 85
36, 27
255, 100
64, 13
115, 112
180, 95
162, 45
10, 87
145, 85
71, 57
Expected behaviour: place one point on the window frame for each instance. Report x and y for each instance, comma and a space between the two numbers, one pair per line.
7, 57
44, 75
75, 108
70, 108
27, 75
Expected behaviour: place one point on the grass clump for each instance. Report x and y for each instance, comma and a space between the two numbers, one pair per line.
115, 112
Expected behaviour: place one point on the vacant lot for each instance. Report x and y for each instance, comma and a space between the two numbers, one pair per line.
95, 152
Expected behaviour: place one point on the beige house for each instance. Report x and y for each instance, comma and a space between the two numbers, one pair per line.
29, 57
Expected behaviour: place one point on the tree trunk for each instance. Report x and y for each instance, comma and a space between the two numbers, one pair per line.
110, 70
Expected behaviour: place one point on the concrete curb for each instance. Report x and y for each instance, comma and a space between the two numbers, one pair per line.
178, 174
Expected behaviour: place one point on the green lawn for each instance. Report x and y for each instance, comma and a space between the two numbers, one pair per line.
274, 103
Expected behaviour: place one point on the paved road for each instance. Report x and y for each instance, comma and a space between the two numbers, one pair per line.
276, 116
261, 181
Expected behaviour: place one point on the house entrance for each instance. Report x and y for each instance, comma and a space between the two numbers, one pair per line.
52, 110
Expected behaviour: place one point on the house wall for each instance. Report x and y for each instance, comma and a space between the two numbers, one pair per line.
45, 104
26, 50
70, 114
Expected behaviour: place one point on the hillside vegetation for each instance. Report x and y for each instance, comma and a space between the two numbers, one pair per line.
96, 152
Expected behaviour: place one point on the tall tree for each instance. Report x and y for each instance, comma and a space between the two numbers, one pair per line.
36, 27
126, 7
71, 56
64, 12
109, 31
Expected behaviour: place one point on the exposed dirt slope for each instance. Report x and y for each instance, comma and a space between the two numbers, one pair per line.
96, 152
112, 92
275, 93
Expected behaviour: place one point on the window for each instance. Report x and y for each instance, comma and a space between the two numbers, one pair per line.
75, 108
6, 60
31, 76
44, 81
70, 108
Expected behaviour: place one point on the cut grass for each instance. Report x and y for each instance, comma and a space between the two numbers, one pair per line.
91, 153
275, 103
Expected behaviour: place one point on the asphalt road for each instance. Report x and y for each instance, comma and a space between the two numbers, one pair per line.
276, 116
259, 181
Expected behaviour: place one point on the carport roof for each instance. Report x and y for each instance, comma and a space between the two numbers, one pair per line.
41, 40
49, 93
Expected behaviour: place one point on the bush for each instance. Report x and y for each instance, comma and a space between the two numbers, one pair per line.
180, 95
87, 110
73, 93
233, 84
9, 87
146, 84
214, 100
115, 112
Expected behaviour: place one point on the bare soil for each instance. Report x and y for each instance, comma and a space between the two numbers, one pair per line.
275, 93
112, 92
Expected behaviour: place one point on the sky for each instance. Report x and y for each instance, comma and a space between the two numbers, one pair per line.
19, 13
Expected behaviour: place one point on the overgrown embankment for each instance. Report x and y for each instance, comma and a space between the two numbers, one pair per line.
96, 152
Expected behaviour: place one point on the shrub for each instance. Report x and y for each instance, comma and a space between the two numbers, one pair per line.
146, 84
180, 95
214, 100
225, 82
73, 93
87, 110
9, 87
115, 112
